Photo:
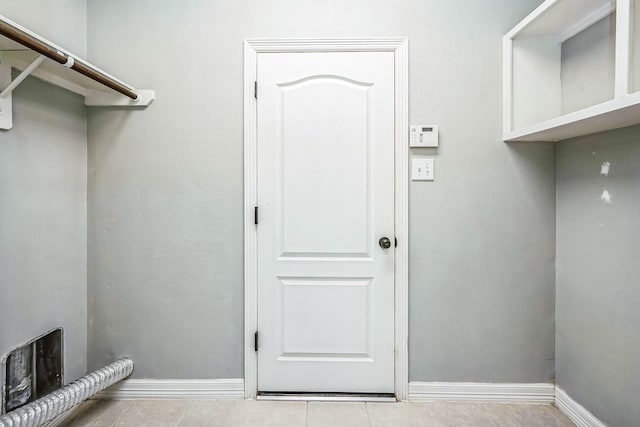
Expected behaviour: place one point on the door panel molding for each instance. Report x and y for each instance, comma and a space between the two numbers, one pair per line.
399, 46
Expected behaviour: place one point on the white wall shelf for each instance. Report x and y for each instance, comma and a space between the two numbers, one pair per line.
569, 70
67, 71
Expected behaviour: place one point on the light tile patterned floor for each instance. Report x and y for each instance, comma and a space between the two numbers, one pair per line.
249, 413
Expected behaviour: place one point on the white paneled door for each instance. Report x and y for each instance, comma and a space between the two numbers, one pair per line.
326, 222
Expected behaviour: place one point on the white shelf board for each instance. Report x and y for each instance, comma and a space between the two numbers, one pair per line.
69, 79
8, 45
96, 94
548, 26
15, 55
617, 113
550, 19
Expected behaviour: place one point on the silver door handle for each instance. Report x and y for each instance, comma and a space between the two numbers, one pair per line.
384, 243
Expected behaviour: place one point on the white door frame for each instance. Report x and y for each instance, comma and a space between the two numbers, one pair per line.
399, 46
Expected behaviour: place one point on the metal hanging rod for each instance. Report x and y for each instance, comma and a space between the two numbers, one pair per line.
24, 37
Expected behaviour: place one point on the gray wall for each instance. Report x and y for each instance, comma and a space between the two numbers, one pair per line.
598, 285
166, 189
588, 66
43, 187
64, 22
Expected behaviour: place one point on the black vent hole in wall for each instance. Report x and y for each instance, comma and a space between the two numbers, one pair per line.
32, 371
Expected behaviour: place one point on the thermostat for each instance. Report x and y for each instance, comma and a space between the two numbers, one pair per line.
423, 136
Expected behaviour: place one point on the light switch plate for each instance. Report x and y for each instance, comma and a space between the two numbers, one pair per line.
423, 136
422, 169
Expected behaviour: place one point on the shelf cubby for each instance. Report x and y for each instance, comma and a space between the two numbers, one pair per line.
571, 68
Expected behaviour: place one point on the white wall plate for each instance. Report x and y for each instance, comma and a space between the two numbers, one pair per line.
423, 136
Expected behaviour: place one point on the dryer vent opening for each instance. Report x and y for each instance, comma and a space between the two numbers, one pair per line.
32, 371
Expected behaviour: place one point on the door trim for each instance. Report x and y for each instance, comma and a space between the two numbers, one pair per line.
399, 46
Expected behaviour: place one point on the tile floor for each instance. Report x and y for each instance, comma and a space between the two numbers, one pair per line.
236, 413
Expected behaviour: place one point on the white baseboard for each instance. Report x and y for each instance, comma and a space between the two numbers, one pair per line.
574, 411
538, 393
531, 393
175, 389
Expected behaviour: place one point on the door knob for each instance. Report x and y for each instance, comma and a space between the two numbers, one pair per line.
384, 243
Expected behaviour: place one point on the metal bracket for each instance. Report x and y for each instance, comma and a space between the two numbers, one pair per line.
6, 99
23, 75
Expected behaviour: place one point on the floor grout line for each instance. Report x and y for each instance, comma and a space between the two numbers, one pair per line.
366, 409
183, 414
119, 416
550, 411
306, 414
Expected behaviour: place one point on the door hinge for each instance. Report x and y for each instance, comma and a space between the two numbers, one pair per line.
255, 215
255, 89
255, 341
396, 240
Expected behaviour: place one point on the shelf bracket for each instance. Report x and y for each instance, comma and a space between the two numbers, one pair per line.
6, 104
23, 75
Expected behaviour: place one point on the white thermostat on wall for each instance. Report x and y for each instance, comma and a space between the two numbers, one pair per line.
423, 136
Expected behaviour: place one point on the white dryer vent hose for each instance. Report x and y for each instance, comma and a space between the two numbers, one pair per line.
54, 404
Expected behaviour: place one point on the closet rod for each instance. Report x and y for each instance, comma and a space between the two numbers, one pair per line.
24, 38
